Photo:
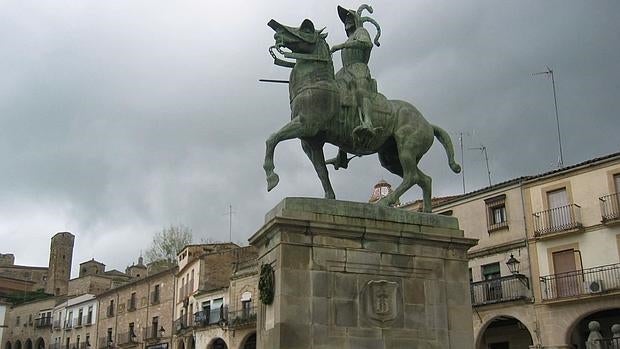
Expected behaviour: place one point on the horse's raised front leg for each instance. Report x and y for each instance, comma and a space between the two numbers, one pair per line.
314, 150
294, 129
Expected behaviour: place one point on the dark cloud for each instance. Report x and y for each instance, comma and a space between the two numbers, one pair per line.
117, 119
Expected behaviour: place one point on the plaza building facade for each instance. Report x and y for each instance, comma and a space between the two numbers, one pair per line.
207, 314
548, 254
137, 314
74, 323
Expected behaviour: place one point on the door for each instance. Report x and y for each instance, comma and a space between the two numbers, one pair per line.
502, 345
566, 275
559, 212
493, 285
615, 202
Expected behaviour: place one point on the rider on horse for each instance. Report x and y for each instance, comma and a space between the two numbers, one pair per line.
355, 73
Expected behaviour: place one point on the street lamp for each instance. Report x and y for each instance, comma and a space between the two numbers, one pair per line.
161, 332
513, 265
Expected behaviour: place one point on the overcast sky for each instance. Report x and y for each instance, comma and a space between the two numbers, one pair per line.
118, 118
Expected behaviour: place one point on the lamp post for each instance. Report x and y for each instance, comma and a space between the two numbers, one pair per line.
513, 264
161, 332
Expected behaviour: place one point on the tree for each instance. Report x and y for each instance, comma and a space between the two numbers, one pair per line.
168, 242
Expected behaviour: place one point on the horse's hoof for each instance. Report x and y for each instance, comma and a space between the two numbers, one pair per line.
272, 181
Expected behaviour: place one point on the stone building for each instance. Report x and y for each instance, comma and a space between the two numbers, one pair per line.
548, 257
137, 314
53, 279
29, 324
204, 303
74, 323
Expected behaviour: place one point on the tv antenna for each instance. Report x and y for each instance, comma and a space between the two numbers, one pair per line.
230, 215
549, 72
461, 143
483, 150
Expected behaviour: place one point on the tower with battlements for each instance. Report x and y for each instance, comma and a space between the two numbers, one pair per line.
61, 255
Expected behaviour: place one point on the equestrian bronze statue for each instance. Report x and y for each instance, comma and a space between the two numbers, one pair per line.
345, 109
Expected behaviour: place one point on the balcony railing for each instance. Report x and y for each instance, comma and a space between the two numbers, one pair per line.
42, 322
87, 320
610, 207
129, 337
54, 346
581, 282
243, 317
504, 289
210, 317
557, 219
84, 345
180, 324
68, 324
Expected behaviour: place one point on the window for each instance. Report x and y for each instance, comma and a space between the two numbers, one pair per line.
155, 295
109, 336
617, 182
132, 302
69, 320
89, 317
77, 342
80, 315
87, 342
154, 326
111, 308
17, 321
559, 212
68, 341
496, 213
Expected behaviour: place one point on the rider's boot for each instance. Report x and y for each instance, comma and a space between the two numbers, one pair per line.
365, 132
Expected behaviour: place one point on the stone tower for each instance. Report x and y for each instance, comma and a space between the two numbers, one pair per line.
61, 255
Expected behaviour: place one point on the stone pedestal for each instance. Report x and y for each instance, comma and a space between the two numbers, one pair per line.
354, 276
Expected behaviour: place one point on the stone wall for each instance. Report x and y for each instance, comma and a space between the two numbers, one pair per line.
61, 255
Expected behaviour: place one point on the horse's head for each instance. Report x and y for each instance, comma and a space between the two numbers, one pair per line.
304, 39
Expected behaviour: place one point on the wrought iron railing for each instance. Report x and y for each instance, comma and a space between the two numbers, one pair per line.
210, 317
87, 320
504, 289
243, 317
180, 324
41, 322
595, 280
56, 325
68, 324
610, 207
557, 219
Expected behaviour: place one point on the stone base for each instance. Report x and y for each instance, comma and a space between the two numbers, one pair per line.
355, 275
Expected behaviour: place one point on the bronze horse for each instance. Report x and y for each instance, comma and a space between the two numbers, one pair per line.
320, 114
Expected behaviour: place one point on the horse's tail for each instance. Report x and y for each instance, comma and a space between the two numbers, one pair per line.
445, 140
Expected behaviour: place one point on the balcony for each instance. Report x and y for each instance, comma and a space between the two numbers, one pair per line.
504, 289
210, 317
152, 333
591, 281
610, 207
87, 320
84, 345
43, 322
68, 324
128, 338
56, 325
180, 324
54, 346
557, 220
242, 318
